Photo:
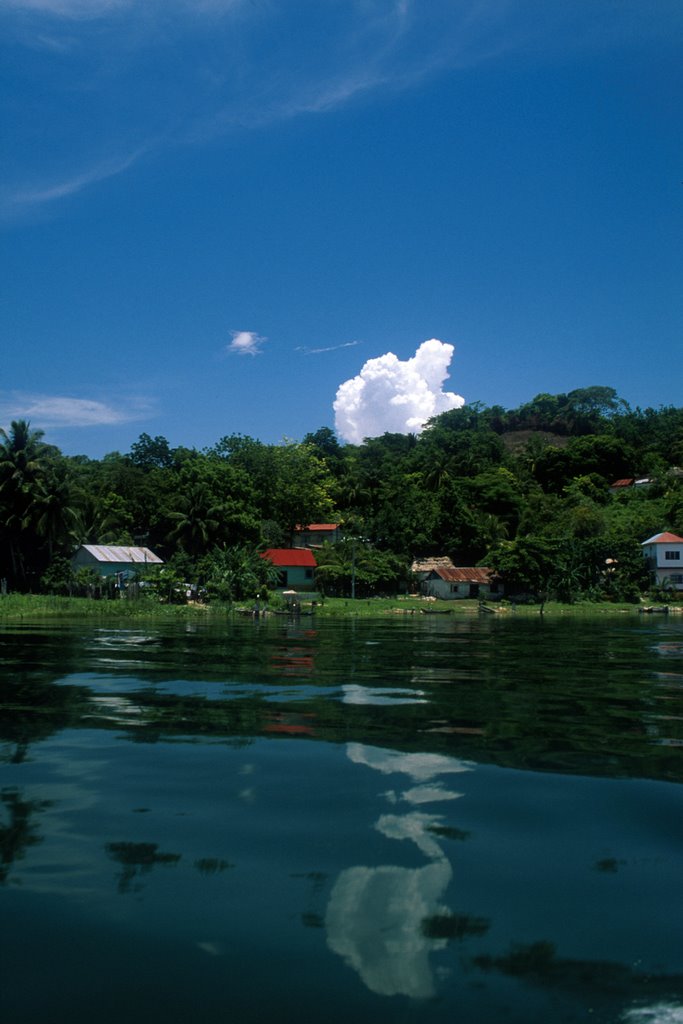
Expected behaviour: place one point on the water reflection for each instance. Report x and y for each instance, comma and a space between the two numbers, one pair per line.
481, 814
383, 921
419, 766
436, 680
655, 1013
352, 693
374, 921
212, 865
137, 859
19, 831
538, 964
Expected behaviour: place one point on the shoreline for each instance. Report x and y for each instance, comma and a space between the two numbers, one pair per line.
19, 607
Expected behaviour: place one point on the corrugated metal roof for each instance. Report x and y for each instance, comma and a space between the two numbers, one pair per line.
290, 557
319, 526
108, 553
464, 574
663, 538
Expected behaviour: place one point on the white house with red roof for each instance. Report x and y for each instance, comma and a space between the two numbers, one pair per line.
664, 556
314, 535
296, 567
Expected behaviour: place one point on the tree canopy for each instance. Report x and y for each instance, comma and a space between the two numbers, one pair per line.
481, 485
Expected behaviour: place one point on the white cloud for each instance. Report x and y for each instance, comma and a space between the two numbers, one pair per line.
246, 343
394, 395
63, 411
330, 348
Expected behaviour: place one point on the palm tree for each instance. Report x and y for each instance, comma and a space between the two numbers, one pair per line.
22, 465
489, 529
197, 521
22, 451
50, 512
438, 469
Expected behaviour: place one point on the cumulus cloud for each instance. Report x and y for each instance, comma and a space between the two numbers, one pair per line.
390, 394
65, 411
245, 343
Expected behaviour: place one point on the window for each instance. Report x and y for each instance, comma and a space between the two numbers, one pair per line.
309, 574
672, 556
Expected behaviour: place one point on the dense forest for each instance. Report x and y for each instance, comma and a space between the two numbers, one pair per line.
525, 491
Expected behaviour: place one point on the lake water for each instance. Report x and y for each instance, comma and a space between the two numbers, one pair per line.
435, 819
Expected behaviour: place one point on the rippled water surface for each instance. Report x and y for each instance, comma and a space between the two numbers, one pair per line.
437, 820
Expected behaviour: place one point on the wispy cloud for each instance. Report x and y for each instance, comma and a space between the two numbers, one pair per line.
66, 411
178, 72
93, 9
77, 9
246, 343
61, 189
259, 69
330, 348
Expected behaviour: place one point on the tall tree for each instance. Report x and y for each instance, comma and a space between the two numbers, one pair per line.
23, 457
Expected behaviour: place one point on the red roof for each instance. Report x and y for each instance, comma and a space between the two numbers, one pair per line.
626, 482
290, 557
464, 575
663, 538
319, 527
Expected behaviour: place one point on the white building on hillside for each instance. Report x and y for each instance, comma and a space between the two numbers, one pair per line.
664, 556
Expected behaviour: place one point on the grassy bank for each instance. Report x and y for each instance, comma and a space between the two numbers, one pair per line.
380, 607
15, 607
38, 606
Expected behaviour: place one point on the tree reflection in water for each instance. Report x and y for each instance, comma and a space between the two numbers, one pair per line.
538, 964
20, 832
137, 859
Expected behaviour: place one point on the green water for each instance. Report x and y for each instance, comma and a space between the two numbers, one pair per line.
444, 820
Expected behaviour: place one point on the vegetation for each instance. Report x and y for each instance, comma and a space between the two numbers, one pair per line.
525, 491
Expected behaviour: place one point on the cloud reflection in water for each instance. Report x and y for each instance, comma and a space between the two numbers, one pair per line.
376, 915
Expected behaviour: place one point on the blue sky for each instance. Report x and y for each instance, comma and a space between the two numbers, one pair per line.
217, 212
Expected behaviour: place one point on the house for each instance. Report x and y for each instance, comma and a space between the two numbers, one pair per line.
453, 583
619, 486
422, 567
664, 556
296, 567
110, 561
315, 534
